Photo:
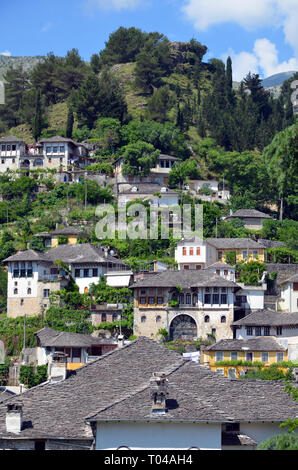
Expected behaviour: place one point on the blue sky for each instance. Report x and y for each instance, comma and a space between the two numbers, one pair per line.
261, 35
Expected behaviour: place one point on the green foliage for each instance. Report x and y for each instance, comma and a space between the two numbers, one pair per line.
231, 257
178, 175
280, 442
139, 158
30, 378
102, 293
250, 273
4, 371
268, 373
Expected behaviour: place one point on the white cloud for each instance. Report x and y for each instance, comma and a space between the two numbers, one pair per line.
262, 60
250, 15
6, 53
117, 5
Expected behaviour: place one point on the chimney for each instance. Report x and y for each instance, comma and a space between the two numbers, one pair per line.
158, 391
14, 417
120, 341
57, 367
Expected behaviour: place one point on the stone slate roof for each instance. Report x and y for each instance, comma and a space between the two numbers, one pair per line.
249, 213
270, 243
99, 384
185, 279
68, 231
48, 337
4, 393
219, 264
162, 156
261, 343
9, 138
116, 387
78, 253
290, 279
28, 255
268, 318
58, 138
234, 243
196, 394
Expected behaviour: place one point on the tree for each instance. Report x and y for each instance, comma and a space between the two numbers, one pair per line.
122, 47
281, 158
159, 104
38, 121
69, 123
139, 158
86, 102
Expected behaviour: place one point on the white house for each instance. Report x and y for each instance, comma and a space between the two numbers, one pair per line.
161, 401
194, 253
283, 326
34, 275
288, 301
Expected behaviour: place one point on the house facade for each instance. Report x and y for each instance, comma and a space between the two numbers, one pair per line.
253, 219
159, 402
288, 301
187, 304
265, 323
33, 275
266, 349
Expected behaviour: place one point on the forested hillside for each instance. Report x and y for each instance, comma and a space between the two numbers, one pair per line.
140, 96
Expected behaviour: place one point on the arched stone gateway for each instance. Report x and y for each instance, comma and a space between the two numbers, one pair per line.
183, 327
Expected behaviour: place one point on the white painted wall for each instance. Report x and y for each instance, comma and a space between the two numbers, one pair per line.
158, 435
259, 432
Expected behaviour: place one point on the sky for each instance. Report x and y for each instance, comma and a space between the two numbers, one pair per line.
261, 36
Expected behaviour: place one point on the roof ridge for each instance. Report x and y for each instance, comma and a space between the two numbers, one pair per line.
142, 387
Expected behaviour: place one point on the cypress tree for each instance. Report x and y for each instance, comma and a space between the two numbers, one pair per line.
37, 123
69, 123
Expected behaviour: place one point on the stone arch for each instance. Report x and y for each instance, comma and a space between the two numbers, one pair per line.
183, 327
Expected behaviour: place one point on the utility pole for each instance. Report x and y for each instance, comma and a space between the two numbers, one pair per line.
24, 345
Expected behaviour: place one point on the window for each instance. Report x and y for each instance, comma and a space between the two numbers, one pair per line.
198, 251
279, 356
15, 291
3, 148
220, 371
151, 300
184, 251
218, 272
267, 331
264, 357
225, 272
143, 291
39, 445
223, 319
223, 298
2, 161
188, 299
215, 299
249, 331
95, 272
295, 286
143, 318
279, 330
142, 300
207, 299
255, 254
55, 149
115, 316
219, 355
198, 266
249, 356
181, 297
258, 331
103, 317
160, 300
50, 160
13, 147
186, 266
8, 147
206, 319
234, 355
77, 272
158, 319
244, 254
22, 302
29, 291
195, 299
219, 255
62, 149
61, 160
191, 252
16, 273
46, 293
86, 272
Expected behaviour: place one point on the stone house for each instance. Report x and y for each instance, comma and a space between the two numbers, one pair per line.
187, 304
253, 219
266, 349
283, 326
161, 401
34, 275
288, 301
